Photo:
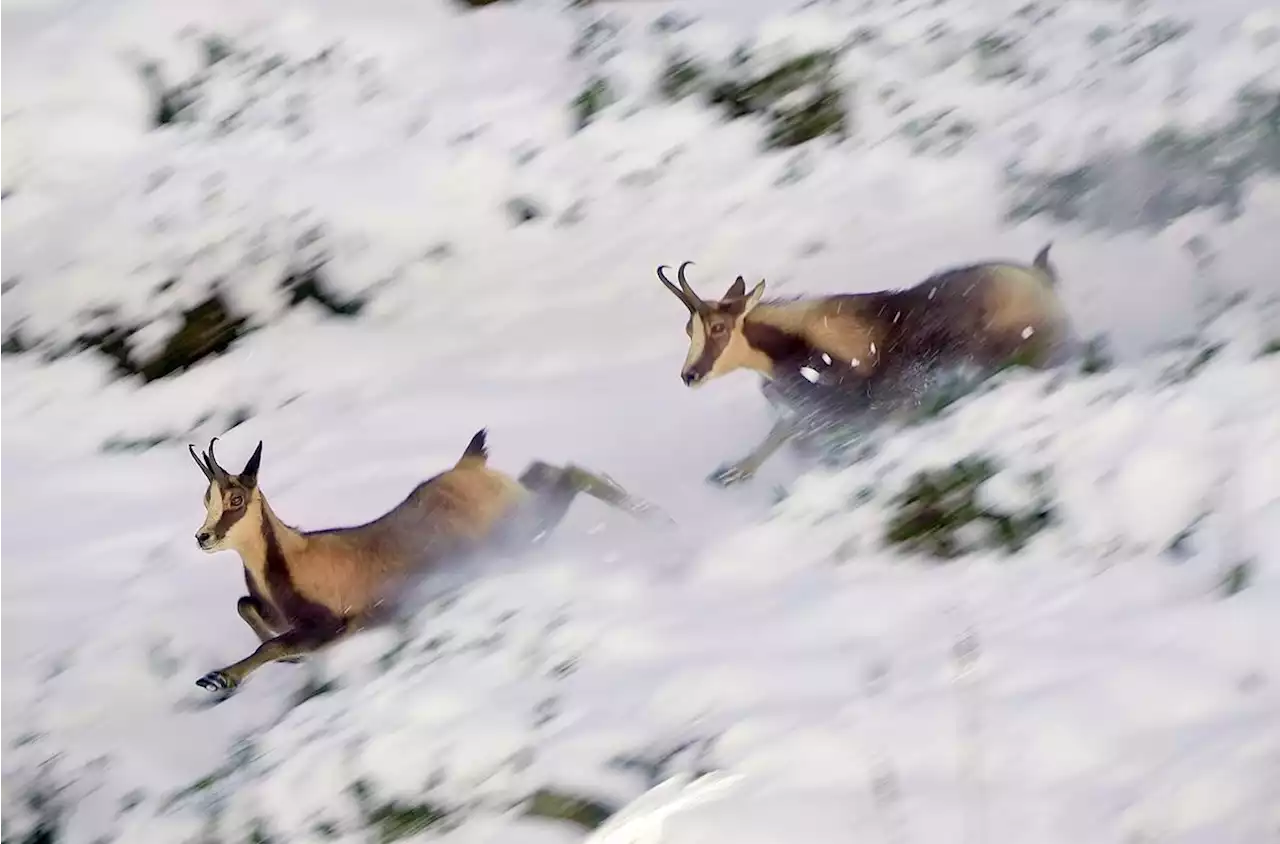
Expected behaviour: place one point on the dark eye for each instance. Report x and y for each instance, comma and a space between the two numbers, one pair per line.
236, 499
717, 328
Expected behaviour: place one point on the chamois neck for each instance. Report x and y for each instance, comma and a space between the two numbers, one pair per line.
253, 547
287, 536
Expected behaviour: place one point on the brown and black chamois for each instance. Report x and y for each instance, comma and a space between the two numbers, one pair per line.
870, 356
310, 588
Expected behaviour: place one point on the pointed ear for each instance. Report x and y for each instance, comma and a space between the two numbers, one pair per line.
249, 477
736, 290
753, 299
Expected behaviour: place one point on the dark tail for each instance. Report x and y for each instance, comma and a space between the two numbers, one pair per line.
1045, 266
477, 451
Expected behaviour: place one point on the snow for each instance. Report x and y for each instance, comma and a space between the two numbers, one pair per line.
1097, 685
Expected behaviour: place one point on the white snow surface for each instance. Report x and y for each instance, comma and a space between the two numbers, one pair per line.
1095, 686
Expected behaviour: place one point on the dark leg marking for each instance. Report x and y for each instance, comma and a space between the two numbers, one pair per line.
255, 615
295, 643
251, 611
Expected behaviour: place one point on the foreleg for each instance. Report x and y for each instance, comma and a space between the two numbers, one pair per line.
782, 431
289, 645
252, 612
256, 615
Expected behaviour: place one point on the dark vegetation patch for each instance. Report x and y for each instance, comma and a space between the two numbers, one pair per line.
1172, 173
556, 805
655, 764
42, 800
208, 329
941, 513
309, 284
595, 97
680, 77
521, 210
1096, 357
262, 88
395, 820
1236, 578
799, 100
124, 444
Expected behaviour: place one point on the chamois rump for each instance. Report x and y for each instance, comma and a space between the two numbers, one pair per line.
310, 588
866, 357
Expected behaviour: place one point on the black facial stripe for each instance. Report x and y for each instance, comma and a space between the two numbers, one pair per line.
712, 348
227, 520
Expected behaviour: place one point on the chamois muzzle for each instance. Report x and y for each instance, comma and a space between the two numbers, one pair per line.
203, 539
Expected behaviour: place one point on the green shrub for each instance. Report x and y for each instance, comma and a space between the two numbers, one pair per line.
558, 805
801, 99
941, 513
594, 98
680, 77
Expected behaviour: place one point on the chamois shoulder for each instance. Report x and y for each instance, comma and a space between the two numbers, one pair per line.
837, 326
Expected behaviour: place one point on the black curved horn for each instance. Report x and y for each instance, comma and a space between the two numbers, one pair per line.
676, 290
204, 468
218, 472
684, 284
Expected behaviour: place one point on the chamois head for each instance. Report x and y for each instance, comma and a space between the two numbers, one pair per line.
227, 500
716, 342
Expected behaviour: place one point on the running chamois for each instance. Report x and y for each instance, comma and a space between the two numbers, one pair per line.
864, 357
310, 588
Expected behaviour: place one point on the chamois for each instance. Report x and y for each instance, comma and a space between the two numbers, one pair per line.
310, 588
868, 356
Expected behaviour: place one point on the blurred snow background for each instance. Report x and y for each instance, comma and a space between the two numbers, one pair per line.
361, 231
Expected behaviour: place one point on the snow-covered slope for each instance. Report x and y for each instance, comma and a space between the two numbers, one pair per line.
1114, 680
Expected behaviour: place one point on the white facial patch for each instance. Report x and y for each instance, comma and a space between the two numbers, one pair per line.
213, 509
1027, 332
697, 342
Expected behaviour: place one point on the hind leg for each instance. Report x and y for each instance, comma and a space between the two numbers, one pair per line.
554, 489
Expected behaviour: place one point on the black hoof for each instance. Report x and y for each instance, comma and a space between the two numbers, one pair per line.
215, 681
729, 475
